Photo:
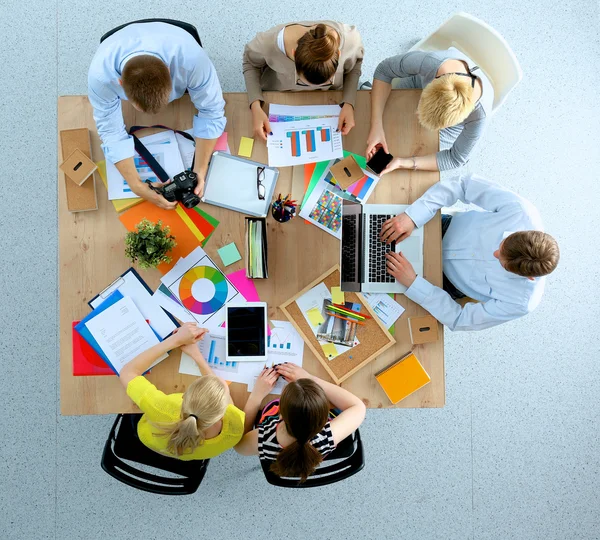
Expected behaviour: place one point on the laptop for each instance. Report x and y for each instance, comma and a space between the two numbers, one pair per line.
363, 260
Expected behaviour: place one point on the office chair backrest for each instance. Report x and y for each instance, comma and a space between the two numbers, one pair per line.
123, 450
482, 44
345, 461
190, 29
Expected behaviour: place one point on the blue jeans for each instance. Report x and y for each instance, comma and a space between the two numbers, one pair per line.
448, 286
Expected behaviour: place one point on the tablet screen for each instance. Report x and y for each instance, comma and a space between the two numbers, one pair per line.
246, 331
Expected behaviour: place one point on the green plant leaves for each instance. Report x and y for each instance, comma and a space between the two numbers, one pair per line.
149, 244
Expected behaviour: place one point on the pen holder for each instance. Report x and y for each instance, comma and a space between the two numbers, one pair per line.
283, 211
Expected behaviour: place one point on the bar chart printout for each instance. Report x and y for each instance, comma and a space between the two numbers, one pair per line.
212, 348
295, 143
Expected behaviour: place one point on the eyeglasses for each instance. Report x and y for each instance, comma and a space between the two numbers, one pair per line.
468, 74
260, 187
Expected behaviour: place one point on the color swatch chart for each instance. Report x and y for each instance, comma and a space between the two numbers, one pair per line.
292, 118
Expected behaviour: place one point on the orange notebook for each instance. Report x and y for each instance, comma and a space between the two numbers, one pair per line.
402, 378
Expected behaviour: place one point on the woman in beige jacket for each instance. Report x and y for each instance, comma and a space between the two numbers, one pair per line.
324, 55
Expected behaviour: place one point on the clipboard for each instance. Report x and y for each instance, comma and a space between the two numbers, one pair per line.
231, 183
130, 283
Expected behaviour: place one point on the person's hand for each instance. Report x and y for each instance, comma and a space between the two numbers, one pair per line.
399, 268
199, 189
158, 199
291, 372
260, 122
188, 334
346, 121
265, 383
375, 141
397, 163
396, 229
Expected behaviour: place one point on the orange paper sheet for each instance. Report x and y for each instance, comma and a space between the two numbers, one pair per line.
185, 239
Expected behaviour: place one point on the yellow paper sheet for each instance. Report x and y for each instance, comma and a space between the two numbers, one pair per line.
337, 296
119, 204
246, 145
330, 350
315, 317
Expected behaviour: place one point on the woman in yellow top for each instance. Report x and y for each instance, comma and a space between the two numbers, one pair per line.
202, 422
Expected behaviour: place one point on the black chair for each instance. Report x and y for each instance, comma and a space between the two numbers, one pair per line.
123, 444
345, 461
189, 28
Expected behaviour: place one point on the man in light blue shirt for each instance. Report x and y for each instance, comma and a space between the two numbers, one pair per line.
152, 64
497, 256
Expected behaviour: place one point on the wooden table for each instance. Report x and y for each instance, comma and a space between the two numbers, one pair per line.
91, 247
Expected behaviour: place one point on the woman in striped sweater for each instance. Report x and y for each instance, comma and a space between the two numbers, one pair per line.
297, 431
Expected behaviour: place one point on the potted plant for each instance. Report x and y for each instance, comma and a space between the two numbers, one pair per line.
149, 244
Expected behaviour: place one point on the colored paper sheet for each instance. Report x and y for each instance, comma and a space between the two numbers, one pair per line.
206, 223
320, 169
245, 285
185, 240
119, 204
330, 350
246, 145
315, 317
337, 296
221, 145
191, 225
229, 254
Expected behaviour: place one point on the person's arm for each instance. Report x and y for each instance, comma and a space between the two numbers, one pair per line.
248, 445
376, 138
458, 154
468, 188
473, 316
188, 333
253, 63
353, 409
193, 351
209, 121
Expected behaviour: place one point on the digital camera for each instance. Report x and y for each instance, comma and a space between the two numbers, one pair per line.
182, 189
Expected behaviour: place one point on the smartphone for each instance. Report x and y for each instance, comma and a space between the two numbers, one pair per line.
246, 332
379, 161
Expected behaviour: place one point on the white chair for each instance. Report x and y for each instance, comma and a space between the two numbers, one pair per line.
482, 44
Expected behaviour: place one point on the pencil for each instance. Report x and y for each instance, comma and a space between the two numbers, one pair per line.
345, 319
338, 306
347, 312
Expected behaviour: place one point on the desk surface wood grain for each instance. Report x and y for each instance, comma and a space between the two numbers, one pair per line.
91, 247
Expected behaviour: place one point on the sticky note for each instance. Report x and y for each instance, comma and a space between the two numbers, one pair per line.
337, 296
315, 317
330, 350
246, 145
229, 254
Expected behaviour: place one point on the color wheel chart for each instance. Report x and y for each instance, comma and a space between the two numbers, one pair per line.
200, 287
194, 304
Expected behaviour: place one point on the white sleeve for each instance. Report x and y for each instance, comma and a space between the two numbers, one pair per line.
468, 188
474, 316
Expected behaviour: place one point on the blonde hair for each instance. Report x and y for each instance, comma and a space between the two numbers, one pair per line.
445, 101
204, 404
530, 253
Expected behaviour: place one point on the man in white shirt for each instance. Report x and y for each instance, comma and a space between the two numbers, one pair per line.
497, 257
152, 64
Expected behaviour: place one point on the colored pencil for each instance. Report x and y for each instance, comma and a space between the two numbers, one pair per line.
348, 312
345, 319
339, 306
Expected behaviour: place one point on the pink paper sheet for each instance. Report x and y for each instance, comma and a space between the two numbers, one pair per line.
221, 145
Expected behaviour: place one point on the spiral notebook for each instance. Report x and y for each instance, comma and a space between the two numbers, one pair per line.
232, 183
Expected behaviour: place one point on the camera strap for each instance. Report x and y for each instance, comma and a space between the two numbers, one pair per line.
148, 157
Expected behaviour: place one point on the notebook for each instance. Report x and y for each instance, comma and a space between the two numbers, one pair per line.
256, 248
232, 182
402, 378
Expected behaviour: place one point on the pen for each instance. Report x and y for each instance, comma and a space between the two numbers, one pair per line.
345, 319
336, 306
346, 312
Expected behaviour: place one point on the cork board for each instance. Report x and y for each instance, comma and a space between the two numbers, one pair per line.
373, 336
79, 198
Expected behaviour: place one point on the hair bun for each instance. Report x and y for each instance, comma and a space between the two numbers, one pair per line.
319, 31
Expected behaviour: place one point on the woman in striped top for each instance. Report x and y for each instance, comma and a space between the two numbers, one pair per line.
297, 431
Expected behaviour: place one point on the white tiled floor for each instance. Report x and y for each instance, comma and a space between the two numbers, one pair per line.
514, 454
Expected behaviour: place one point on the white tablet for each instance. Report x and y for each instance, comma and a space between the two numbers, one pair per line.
246, 332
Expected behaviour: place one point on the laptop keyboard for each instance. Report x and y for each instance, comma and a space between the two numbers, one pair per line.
378, 250
349, 248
